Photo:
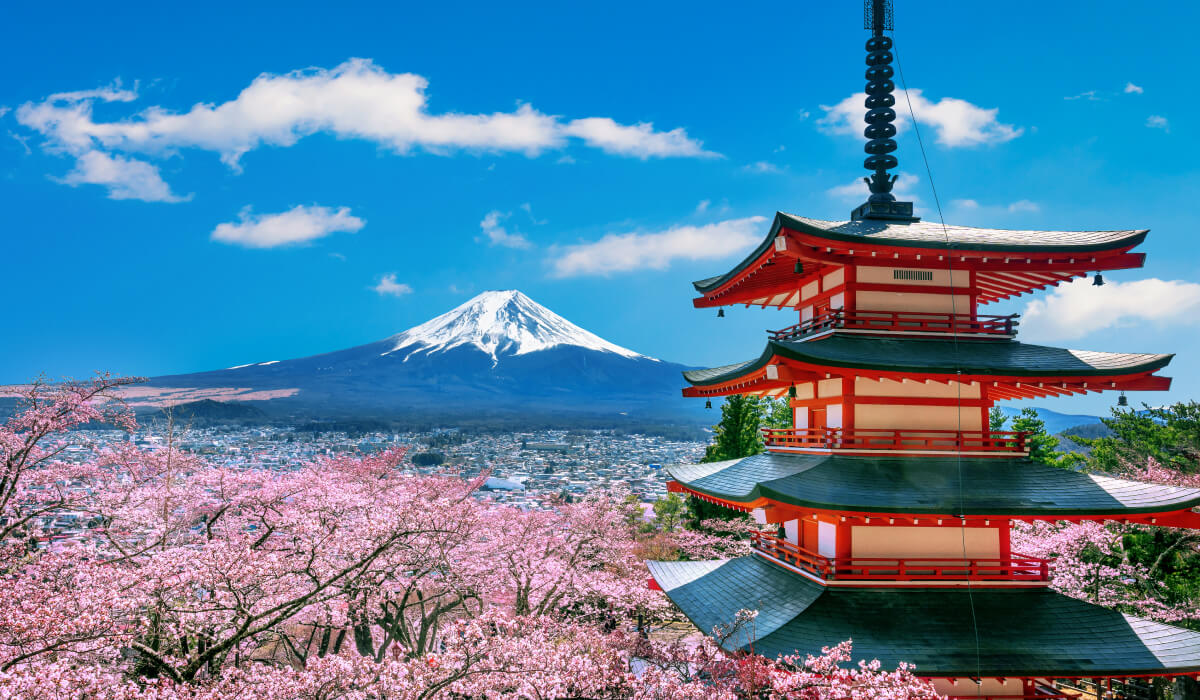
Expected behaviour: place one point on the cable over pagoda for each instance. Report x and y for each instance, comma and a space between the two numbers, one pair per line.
892, 495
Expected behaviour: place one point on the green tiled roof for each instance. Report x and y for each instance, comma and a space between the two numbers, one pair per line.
928, 234
974, 357
989, 486
1022, 632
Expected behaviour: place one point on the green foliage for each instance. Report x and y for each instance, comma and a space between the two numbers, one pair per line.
1170, 435
742, 418
739, 434
428, 459
1042, 444
669, 512
997, 419
778, 414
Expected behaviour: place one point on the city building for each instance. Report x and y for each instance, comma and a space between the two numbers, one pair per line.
892, 496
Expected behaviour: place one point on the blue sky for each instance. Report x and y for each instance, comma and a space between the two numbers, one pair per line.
598, 157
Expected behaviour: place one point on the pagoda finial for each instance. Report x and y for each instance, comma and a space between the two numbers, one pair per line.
882, 204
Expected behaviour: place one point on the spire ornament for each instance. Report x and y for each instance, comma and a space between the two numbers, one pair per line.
882, 204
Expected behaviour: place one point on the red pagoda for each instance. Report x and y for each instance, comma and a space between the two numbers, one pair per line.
892, 495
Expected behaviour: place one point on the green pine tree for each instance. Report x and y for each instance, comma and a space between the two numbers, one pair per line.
997, 419
738, 434
1042, 445
1171, 435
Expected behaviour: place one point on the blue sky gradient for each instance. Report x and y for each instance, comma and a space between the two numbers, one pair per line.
1090, 131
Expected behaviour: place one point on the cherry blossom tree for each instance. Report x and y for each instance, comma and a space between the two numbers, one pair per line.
339, 578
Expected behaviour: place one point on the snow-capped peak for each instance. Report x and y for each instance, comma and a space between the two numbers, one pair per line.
500, 323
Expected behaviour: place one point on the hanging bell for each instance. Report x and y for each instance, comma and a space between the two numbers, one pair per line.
792, 391
708, 404
1121, 400
720, 313
1098, 280
799, 269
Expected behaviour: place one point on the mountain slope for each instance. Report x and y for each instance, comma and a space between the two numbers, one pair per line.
499, 353
500, 323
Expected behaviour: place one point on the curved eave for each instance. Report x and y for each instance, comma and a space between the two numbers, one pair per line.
1026, 633
870, 238
887, 485
993, 360
964, 238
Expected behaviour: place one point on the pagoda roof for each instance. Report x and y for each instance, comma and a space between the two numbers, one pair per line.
933, 236
937, 356
1006, 487
1022, 632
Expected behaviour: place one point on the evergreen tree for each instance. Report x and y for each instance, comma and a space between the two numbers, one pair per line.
1170, 435
738, 434
669, 512
1042, 445
996, 418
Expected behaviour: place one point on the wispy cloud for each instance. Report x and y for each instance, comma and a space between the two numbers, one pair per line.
496, 234
857, 191
955, 122
528, 209
1131, 88
355, 100
1089, 95
297, 225
388, 286
761, 167
1076, 309
125, 178
1156, 121
1021, 206
637, 141
625, 252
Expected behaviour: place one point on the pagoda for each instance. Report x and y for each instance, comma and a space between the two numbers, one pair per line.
891, 495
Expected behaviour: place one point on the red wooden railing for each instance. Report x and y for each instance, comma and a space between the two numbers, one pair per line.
887, 439
911, 321
1014, 568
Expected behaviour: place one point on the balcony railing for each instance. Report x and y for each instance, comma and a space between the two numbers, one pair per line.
1014, 568
900, 321
886, 439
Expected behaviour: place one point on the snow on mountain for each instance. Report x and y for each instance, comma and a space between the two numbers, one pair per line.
500, 323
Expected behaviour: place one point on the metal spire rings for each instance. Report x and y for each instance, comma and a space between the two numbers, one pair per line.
880, 116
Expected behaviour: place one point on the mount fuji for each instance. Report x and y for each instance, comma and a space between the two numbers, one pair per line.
500, 354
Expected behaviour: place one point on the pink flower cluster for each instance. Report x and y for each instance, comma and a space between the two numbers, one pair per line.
341, 578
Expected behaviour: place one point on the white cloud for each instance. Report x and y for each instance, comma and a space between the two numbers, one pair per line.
1130, 87
1090, 96
126, 178
355, 100
297, 225
1024, 205
1076, 309
623, 252
702, 206
498, 235
761, 167
528, 209
388, 286
1156, 121
857, 190
964, 203
956, 122
637, 141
